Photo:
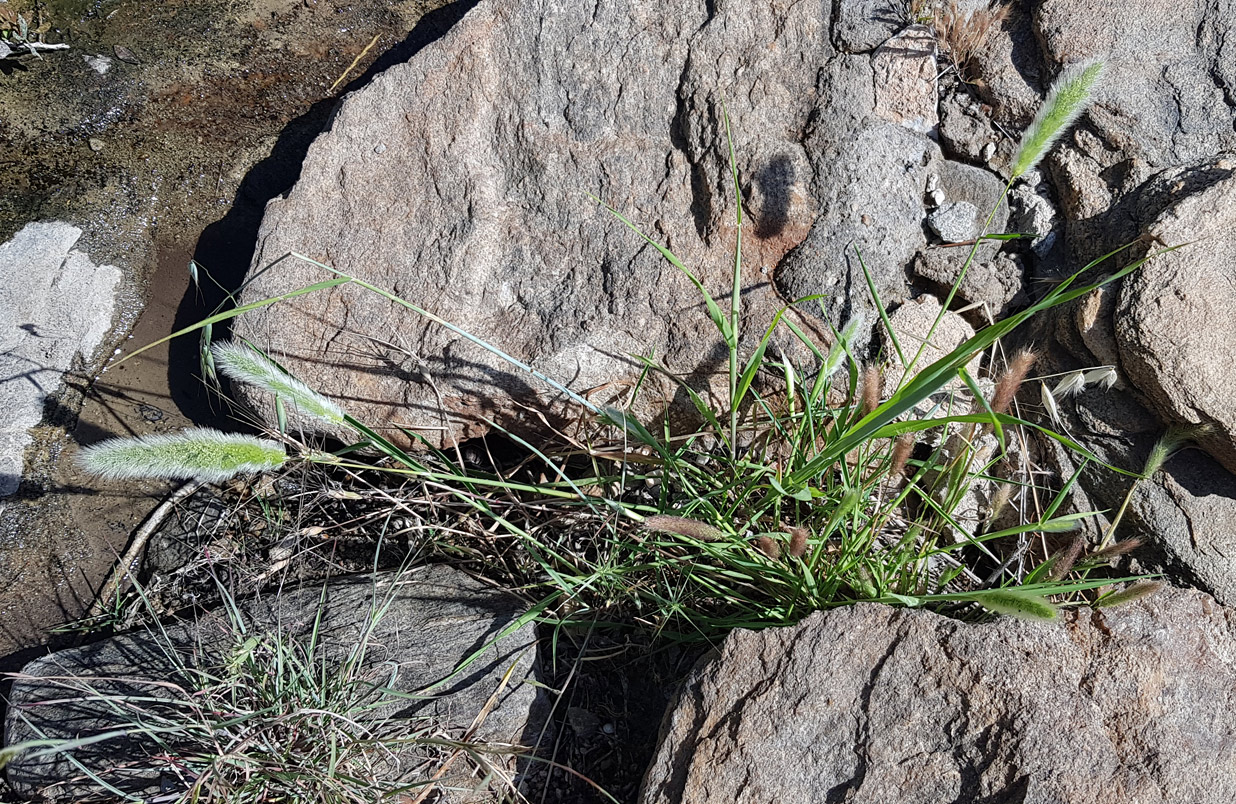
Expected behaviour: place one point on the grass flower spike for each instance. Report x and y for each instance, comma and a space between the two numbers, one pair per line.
243, 364
202, 454
1069, 97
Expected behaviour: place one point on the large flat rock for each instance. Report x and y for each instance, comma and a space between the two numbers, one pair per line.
870, 705
56, 306
459, 180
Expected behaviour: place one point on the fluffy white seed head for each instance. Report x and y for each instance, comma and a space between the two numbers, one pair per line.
1072, 383
203, 454
1103, 375
243, 364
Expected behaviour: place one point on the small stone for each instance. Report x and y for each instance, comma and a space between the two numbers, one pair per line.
100, 64
987, 151
936, 197
954, 223
125, 55
933, 181
96, 144
380, 148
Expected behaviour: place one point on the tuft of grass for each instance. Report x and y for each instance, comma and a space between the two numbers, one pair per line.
686, 533
198, 454
961, 35
259, 715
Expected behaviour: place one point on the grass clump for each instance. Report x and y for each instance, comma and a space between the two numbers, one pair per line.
246, 711
810, 488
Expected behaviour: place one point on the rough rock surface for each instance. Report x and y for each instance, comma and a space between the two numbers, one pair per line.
436, 618
1175, 321
913, 322
863, 25
1185, 514
458, 180
870, 705
56, 306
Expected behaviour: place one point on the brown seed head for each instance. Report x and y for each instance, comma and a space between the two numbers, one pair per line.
1064, 560
871, 390
1132, 592
681, 526
1116, 550
1012, 378
769, 547
798, 541
902, 448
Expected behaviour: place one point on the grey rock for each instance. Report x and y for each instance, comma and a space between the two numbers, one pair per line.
1168, 94
913, 322
1033, 211
1185, 514
435, 618
1167, 101
476, 209
1126, 704
864, 25
996, 282
964, 130
955, 222
56, 307
1175, 323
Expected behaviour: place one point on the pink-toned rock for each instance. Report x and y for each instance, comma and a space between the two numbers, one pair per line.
459, 180
871, 705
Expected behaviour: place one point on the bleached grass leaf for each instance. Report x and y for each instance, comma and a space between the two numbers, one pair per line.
1049, 402
243, 364
202, 454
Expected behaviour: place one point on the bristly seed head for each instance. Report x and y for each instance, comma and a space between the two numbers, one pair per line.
1130, 593
243, 364
871, 390
769, 547
798, 541
1064, 560
1115, 550
681, 526
1012, 378
202, 454
1068, 98
1176, 437
902, 448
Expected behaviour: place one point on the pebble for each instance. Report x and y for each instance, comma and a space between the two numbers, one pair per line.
100, 64
96, 144
987, 152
